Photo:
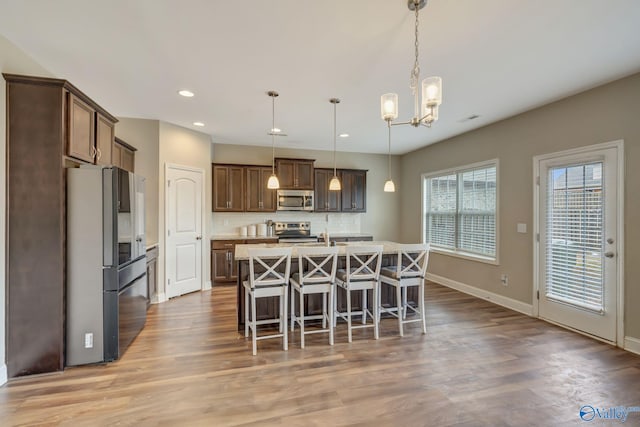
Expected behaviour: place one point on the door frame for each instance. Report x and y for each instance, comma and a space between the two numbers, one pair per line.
203, 266
619, 146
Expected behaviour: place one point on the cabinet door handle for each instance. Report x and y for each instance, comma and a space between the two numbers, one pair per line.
93, 152
99, 153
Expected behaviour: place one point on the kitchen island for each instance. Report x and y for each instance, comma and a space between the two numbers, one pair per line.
267, 308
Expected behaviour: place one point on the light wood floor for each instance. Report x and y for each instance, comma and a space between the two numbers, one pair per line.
479, 364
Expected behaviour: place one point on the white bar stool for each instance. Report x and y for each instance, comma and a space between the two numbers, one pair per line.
266, 281
316, 275
409, 270
361, 274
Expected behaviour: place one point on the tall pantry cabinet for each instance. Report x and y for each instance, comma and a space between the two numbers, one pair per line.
50, 125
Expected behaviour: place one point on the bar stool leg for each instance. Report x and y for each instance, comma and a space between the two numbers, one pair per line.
376, 311
301, 314
254, 333
324, 311
364, 306
283, 315
293, 317
330, 314
400, 307
349, 312
422, 309
246, 312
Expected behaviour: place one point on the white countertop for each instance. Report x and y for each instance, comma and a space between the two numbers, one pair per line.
242, 253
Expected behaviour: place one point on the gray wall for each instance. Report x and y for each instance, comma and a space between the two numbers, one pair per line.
145, 136
382, 216
603, 114
12, 60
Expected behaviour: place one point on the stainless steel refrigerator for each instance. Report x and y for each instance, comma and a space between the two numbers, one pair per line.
106, 297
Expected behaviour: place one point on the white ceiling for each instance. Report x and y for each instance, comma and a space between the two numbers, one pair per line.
497, 58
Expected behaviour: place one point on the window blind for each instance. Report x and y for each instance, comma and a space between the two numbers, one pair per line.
460, 210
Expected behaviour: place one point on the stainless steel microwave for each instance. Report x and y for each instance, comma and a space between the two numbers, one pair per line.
295, 200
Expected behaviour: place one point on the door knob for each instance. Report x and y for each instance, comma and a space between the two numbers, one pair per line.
609, 254
199, 238
610, 240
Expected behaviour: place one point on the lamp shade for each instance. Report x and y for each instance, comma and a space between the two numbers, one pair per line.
273, 183
389, 186
389, 106
334, 184
432, 91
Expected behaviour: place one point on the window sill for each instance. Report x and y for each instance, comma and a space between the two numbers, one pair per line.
465, 255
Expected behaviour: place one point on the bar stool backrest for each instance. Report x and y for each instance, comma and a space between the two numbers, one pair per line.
363, 262
264, 266
320, 262
412, 260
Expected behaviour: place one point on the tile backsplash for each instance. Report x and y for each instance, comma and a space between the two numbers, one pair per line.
223, 223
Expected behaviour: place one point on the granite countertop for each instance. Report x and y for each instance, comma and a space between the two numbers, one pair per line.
350, 235
242, 254
239, 237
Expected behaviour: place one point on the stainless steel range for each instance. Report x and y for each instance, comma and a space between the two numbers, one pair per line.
294, 232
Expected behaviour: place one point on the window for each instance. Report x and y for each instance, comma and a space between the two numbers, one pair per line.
460, 210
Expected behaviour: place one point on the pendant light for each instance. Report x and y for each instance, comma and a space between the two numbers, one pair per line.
389, 186
273, 183
334, 184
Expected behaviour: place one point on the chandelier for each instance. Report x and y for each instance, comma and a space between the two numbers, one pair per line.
425, 112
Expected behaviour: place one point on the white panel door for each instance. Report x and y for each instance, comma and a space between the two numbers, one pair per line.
578, 243
184, 230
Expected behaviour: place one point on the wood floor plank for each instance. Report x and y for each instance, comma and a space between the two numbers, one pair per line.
478, 365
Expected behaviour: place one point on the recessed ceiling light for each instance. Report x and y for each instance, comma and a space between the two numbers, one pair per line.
198, 124
344, 135
276, 130
186, 93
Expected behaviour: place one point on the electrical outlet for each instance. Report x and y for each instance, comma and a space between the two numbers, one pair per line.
88, 340
504, 279
225, 222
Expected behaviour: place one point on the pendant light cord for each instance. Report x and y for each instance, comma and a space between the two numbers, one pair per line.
389, 156
273, 138
334, 139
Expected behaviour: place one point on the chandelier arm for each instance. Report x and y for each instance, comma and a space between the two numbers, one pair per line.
400, 123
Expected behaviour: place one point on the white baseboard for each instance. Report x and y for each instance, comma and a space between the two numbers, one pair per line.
3, 374
207, 285
159, 298
507, 302
632, 345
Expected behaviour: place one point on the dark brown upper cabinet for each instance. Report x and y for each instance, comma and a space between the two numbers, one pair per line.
258, 197
123, 155
295, 174
90, 131
325, 200
228, 188
354, 190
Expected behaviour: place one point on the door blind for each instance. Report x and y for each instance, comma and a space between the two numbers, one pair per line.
574, 235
